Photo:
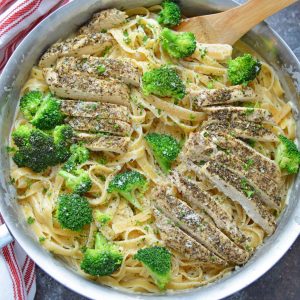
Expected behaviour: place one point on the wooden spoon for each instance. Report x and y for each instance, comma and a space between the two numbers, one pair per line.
229, 26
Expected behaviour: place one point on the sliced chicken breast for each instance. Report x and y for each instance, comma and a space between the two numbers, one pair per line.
244, 152
116, 127
104, 20
202, 145
238, 189
99, 110
197, 198
80, 45
268, 189
75, 86
226, 95
178, 240
233, 113
110, 143
122, 69
246, 130
195, 225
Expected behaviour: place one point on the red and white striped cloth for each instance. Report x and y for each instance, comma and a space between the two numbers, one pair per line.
17, 18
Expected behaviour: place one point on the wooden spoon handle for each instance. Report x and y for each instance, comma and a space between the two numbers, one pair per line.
241, 19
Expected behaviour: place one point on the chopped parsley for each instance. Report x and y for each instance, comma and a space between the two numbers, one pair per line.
126, 38
203, 52
101, 69
246, 188
248, 164
30, 220
42, 239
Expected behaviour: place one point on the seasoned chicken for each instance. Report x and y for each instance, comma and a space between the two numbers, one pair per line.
97, 110
238, 189
226, 95
267, 188
116, 127
244, 152
233, 113
198, 198
204, 148
77, 46
104, 20
110, 143
178, 240
75, 86
241, 129
195, 225
100, 67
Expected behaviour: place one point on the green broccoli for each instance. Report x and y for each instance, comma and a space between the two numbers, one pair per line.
126, 184
102, 218
79, 155
157, 261
178, 45
42, 112
30, 103
62, 136
243, 69
48, 114
165, 149
164, 82
78, 181
287, 155
170, 15
73, 212
36, 149
103, 260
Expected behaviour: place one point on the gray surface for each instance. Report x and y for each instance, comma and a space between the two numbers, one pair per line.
282, 281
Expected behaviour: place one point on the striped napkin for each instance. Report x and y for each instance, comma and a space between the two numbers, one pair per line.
17, 18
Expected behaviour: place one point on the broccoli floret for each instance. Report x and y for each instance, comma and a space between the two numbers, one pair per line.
78, 181
243, 69
170, 15
62, 136
30, 103
164, 82
21, 135
165, 149
126, 184
103, 260
287, 155
102, 218
79, 155
73, 212
157, 261
178, 45
48, 114
38, 150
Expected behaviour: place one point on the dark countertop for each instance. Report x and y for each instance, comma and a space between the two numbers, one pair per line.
282, 281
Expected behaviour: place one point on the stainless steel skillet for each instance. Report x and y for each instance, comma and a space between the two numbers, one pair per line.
59, 25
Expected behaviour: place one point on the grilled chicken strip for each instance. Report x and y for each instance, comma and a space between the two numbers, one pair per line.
238, 189
195, 225
202, 148
104, 20
268, 189
246, 130
178, 240
122, 69
244, 152
197, 198
77, 46
233, 113
116, 127
97, 110
110, 143
75, 86
226, 95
